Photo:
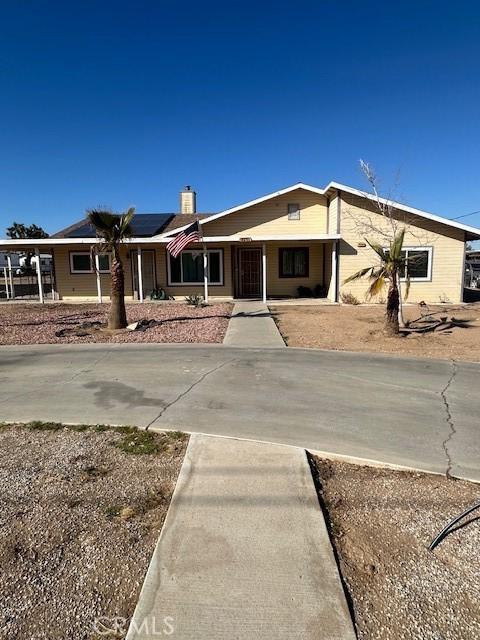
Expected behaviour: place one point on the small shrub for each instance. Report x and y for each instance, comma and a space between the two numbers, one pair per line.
194, 300
38, 425
79, 427
175, 435
158, 294
320, 291
126, 513
113, 511
138, 442
348, 298
304, 292
101, 427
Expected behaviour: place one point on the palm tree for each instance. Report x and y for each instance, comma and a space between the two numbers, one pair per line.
393, 263
113, 229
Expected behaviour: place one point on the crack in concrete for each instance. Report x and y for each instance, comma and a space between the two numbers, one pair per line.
449, 420
187, 391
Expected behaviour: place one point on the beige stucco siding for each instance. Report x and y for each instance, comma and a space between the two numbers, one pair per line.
271, 217
447, 251
333, 215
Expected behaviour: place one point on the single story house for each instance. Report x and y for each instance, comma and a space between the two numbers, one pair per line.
300, 236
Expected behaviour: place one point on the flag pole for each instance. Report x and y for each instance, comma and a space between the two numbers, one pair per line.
205, 263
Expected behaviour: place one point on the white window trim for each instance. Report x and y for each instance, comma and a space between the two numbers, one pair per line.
294, 204
82, 271
428, 277
194, 284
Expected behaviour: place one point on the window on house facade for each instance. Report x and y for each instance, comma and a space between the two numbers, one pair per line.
103, 263
293, 262
188, 267
419, 264
293, 211
81, 262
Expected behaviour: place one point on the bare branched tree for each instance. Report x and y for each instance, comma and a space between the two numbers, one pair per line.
385, 235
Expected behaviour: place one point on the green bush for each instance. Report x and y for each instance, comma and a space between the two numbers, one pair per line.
194, 300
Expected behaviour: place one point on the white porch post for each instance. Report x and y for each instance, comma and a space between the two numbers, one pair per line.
333, 281
12, 290
7, 288
39, 275
97, 273
140, 274
264, 272
205, 273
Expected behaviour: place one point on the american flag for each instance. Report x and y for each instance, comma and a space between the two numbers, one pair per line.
183, 239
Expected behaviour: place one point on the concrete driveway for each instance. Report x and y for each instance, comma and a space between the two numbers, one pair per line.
420, 413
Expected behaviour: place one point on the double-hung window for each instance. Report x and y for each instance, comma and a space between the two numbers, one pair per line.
187, 268
293, 262
81, 262
418, 266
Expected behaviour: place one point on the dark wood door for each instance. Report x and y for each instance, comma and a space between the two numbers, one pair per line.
249, 265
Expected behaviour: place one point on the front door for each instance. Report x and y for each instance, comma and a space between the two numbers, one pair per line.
250, 271
148, 272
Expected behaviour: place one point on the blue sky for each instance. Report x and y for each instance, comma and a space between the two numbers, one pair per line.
121, 103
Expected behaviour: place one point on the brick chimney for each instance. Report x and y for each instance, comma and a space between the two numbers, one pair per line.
188, 200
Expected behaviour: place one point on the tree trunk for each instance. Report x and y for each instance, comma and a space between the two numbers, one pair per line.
393, 305
117, 318
401, 319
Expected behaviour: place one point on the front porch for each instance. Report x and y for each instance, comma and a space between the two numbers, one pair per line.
300, 269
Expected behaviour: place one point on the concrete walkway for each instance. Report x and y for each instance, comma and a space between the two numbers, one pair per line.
251, 325
244, 551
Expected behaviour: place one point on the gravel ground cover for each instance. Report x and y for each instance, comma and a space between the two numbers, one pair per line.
360, 328
37, 324
381, 523
80, 514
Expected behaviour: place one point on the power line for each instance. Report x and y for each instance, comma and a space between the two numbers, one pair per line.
465, 215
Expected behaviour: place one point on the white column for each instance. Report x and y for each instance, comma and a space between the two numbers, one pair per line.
264, 272
333, 281
140, 274
7, 288
39, 275
205, 274
97, 273
12, 290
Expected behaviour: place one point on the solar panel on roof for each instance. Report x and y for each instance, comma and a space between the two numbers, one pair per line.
85, 231
143, 225
149, 224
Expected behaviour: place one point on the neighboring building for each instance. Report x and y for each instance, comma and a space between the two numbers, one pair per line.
472, 269
18, 262
14, 260
301, 236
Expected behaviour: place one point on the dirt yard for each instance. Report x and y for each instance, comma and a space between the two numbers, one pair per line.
37, 324
81, 511
382, 522
360, 328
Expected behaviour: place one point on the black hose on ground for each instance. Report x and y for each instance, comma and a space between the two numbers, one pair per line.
446, 530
